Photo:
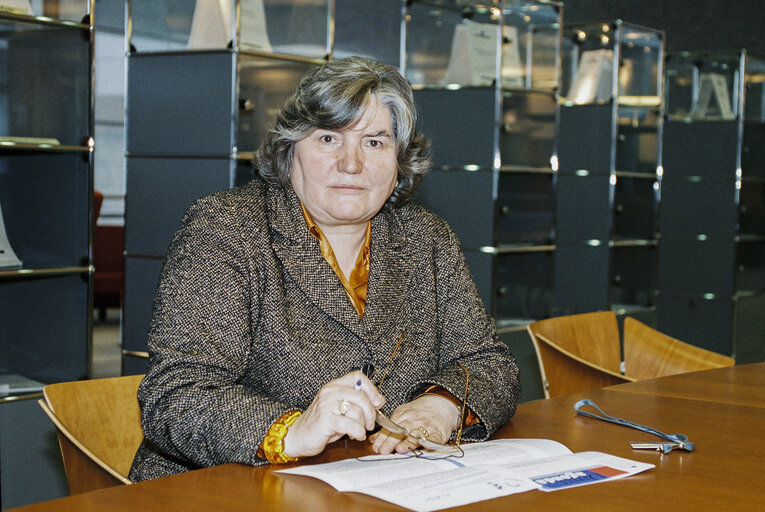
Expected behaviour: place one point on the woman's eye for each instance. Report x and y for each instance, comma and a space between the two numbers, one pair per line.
327, 139
375, 143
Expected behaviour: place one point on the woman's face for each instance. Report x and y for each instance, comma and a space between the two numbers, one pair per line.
344, 177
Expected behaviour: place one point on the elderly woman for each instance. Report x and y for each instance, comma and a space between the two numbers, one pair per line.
276, 295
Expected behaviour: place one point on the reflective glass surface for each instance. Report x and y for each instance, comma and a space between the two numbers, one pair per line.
456, 42
591, 73
44, 83
706, 86
296, 27
60, 10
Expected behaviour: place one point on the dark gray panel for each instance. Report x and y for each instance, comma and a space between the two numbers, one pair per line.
700, 149
461, 124
698, 207
180, 104
750, 266
44, 333
583, 208
45, 202
753, 150
581, 279
41, 68
526, 357
635, 205
525, 208
134, 365
633, 276
694, 266
141, 279
528, 128
371, 32
750, 329
159, 190
464, 200
523, 285
637, 147
31, 466
585, 139
706, 323
264, 86
752, 208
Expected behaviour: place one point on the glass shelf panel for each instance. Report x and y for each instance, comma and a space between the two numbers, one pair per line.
62, 10
44, 85
529, 121
46, 233
706, 86
591, 73
455, 42
296, 28
523, 286
264, 87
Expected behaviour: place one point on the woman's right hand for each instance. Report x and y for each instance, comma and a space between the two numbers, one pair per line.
323, 422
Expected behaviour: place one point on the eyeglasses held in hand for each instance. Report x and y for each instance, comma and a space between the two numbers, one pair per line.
430, 449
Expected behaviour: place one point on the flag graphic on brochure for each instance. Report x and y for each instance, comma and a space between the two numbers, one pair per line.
576, 478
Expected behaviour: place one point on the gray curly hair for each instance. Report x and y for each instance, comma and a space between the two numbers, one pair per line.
333, 97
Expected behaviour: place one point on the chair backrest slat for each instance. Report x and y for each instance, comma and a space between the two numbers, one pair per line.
593, 337
101, 417
649, 353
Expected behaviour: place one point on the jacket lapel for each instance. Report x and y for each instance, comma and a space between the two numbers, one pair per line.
302, 260
391, 271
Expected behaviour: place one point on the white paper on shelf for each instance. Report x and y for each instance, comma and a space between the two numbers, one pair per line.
473, 55
593, 78
8, 258
213, 22
212, 25
16, 7
253, 29
713, 85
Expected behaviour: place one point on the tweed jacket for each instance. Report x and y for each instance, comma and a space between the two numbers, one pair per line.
250, 321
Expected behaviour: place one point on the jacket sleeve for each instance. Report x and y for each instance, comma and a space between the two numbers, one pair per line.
194, 408
468, 337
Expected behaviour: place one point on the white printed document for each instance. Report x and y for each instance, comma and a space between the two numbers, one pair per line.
488, 470
473, 58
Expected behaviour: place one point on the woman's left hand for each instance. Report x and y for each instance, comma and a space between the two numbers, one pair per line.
430, 416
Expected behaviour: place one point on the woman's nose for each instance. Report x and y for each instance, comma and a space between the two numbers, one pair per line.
351, 159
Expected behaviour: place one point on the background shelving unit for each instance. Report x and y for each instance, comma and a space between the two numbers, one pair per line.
491, 110
46, 191
713, 204
609, 154
198, 107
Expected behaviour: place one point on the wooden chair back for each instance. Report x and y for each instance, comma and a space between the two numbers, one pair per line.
99, 429
649, 353
564, 373
591, 337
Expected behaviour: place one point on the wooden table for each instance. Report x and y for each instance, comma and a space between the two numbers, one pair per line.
740, 385
722, 411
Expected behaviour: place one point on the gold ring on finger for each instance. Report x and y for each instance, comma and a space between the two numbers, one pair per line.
424, 432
